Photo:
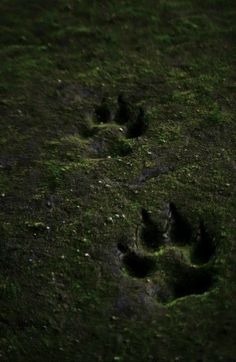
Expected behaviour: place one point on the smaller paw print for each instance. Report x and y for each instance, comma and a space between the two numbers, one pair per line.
177, 260
116, 128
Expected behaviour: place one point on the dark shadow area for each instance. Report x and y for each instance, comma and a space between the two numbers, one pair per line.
123, 114
122, 247
103, 112
151, 234
204, 247
180, 230
138, 127
188, 280
139, 266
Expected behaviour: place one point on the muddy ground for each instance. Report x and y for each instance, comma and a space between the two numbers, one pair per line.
117, 181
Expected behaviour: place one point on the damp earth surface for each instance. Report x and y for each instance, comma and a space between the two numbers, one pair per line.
117, 181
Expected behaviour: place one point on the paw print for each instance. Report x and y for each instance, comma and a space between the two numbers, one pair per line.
106, 128
177, 260
114, 130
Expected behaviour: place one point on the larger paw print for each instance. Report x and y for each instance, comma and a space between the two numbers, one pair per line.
178, 261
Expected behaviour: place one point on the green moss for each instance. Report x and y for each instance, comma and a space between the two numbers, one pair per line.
71, 189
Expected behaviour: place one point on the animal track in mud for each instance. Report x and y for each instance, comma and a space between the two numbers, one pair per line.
103, 130
174, 252
114, 130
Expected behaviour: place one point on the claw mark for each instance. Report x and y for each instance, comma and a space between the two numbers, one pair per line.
180, 229
204, 247
151, 235
102, 112
138, 127
122, 247
123, 114
139, 266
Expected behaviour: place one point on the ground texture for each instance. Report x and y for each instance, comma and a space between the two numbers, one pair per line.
117, 181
